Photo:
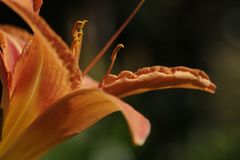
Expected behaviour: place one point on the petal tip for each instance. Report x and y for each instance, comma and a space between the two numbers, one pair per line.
142, 135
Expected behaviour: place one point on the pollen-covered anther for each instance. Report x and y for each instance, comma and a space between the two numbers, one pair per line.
77, 34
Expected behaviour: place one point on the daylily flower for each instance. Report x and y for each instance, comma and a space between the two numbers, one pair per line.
46, 99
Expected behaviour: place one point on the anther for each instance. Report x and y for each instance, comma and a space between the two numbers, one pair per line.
77, 34
114, 56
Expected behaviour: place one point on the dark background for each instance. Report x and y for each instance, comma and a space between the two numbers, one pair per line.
186, 124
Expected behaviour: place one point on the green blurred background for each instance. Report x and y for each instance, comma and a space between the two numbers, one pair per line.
186, 124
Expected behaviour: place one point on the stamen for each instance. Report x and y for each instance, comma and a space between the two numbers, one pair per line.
114, 56
77, 34
113, 38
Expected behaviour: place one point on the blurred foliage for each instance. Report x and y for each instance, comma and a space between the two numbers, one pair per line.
186, 124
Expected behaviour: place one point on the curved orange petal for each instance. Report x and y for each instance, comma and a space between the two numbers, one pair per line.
17, 32
12, 41
32, 5
69, 116
40, 79
44, 73
154, 78
46, 35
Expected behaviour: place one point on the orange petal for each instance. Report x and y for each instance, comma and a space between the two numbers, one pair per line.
12, 41
154, 78
32, 5
69, 116
59, 49
45, 72
40, 79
